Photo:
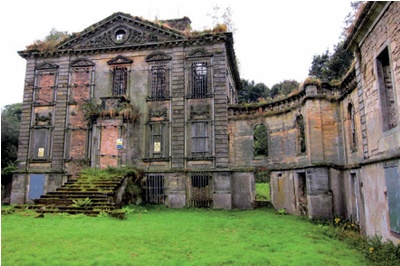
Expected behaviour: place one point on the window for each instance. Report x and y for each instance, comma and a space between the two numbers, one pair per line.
119, 35
301, 135
352, 133
199, 80
260, 140
159, 85
156, 139
120, 78
40, 144
200, 190
199, 139
154, 189
386, 91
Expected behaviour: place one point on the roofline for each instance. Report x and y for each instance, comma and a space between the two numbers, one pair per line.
366, 19
226, 37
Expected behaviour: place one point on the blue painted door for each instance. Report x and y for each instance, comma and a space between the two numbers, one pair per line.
393, 192
36, 187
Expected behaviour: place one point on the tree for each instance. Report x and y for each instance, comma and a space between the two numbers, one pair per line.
226, 16
283, 88
10, 124
251, 92
331, 66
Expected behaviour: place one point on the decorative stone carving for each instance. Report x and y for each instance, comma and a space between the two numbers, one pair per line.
158, 113
43, 118
119, 60
200, 111
131, 36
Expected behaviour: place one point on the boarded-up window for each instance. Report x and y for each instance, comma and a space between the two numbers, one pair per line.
200, 139
40, 143
386, 91
393, 193
44, 90
157, 140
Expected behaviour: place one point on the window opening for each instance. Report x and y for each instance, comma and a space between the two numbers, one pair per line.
120, 77
263, 191
301, 134
199, 139
200, 190
353, 143
154, 189
260, 140
156, 139
119, 35
302, 193
386, 90
159, 82
199, 80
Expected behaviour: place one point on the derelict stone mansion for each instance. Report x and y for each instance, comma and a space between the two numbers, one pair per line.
126, 91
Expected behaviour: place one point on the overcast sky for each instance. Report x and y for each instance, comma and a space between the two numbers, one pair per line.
274, 40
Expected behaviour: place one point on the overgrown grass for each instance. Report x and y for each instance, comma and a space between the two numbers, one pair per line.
263, 191
160, 236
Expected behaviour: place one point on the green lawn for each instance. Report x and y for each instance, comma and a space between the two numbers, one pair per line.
161, 236
262, 191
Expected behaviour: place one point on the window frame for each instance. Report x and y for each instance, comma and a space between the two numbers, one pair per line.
200, 139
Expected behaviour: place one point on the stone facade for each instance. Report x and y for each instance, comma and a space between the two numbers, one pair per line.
332, 150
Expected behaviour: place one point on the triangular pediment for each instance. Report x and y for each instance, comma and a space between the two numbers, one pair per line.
158, 56
82, 62
199, 53
44, 66
121, 30
119, 60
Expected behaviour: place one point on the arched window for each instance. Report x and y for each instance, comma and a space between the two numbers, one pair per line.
352, 127
260, 140
301, 135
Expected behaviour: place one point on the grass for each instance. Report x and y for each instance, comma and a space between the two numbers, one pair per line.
160, 236
262, 191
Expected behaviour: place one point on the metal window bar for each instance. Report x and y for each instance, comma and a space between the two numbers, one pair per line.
200, 196
200, 139
120, 78
159, 82
199, 80
154, 190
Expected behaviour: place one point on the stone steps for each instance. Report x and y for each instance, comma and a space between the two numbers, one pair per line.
67, 198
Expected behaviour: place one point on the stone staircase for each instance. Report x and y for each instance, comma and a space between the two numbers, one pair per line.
89, 196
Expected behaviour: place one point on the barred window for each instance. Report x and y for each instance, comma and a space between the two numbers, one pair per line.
154, 190
159, 85
200, 190
120, 78
200, 139
199, 80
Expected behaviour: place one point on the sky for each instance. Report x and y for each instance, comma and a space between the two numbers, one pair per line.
273, 41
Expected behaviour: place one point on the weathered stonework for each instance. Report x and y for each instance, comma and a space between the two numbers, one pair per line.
331, 149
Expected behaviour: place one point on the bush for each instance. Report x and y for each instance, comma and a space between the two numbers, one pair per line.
378, 252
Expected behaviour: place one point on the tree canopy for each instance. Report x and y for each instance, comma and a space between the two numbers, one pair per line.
10, 124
